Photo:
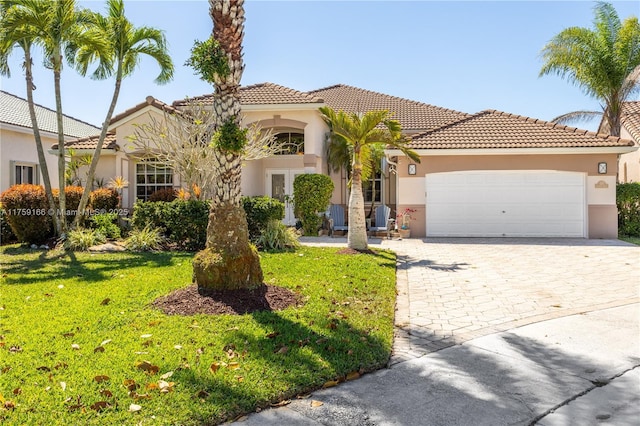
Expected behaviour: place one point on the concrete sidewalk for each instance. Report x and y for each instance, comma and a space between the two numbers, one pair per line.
548, 373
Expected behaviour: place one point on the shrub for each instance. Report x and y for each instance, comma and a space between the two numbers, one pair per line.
82, 239
104, 199
27, 212
260, 211
167, 194
182, 222
72, 200
145, 239
628, 201
311, 195
6, 234
277, 236
186, 223
106, 224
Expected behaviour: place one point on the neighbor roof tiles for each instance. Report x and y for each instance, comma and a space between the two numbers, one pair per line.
15, 110
495, 129
412, 115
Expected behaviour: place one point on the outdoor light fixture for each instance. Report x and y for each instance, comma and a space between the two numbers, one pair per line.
412, 169
602, 168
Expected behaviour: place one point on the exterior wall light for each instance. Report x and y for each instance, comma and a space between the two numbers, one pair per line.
412, 169
602, 168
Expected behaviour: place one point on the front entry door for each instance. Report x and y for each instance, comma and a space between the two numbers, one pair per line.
280, 187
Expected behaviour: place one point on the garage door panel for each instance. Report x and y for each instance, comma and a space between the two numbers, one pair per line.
506, 203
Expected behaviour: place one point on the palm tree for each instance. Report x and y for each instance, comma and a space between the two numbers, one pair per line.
229, 261
119, 58
19, 27
362, 132
59, 29
604, 62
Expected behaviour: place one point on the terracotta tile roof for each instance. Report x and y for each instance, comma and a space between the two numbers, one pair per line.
412, 115
149, 100
15, 110
495, 129
631, 118
262, 94
91, 142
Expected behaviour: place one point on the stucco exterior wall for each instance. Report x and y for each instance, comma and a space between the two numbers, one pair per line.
19, 145
600, 188
629, 164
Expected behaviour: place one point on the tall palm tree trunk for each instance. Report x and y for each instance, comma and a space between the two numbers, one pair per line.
229, 261
357, 236
61, 160
44, 168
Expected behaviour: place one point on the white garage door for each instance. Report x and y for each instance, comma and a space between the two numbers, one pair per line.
506, 204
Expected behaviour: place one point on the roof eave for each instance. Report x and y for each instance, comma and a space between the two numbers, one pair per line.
518, 151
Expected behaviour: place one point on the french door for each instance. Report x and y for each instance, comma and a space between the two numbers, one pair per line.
279, 185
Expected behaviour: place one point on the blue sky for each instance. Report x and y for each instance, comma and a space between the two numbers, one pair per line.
468, 56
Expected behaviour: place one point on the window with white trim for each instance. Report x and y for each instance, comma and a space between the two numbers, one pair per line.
152, 176
24, 173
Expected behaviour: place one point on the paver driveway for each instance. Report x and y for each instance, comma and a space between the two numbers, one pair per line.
453, 290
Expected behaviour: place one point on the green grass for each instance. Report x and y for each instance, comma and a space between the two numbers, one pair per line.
632, 240
50, 303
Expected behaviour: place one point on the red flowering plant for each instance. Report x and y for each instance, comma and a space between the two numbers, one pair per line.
405, 218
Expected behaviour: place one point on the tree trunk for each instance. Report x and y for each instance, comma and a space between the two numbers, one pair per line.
44, 168
61, 159
357, 236
229, 261
96, 153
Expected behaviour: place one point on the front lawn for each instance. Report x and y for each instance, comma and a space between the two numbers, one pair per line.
80, 343
632, 240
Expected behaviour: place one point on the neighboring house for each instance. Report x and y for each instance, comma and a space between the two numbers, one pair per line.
487, 174
18, 156
629, 164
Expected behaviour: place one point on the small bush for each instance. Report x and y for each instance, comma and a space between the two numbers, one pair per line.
6, 234
260, 211
168, 194
145, 239
72, 200
628, 201
277, 236
81, 239
104, 199
106, 224
147, 213
27, 212
311, 195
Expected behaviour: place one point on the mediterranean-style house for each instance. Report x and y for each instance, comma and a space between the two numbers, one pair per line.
488, 174
18, 156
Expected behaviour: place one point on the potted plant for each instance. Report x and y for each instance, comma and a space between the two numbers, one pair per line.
404, 222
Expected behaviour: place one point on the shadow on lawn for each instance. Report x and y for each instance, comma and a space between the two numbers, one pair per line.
309, 361
25, 266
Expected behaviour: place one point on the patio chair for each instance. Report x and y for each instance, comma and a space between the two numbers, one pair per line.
336, 213
382, 220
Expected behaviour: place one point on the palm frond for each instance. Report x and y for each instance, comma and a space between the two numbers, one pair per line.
577, 116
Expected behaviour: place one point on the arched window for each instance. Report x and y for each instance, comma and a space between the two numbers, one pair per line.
290, 142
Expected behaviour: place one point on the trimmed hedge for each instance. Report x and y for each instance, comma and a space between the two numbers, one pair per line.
628, 201
167, 194
311, 195
104, 199
72, 200
27, 212
182, 222
6, 234
260, 211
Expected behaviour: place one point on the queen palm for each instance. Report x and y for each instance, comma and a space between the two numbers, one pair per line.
604, 62
119, 58
362, 133
228, 261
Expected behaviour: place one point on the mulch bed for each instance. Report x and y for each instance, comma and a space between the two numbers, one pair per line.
187, 301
